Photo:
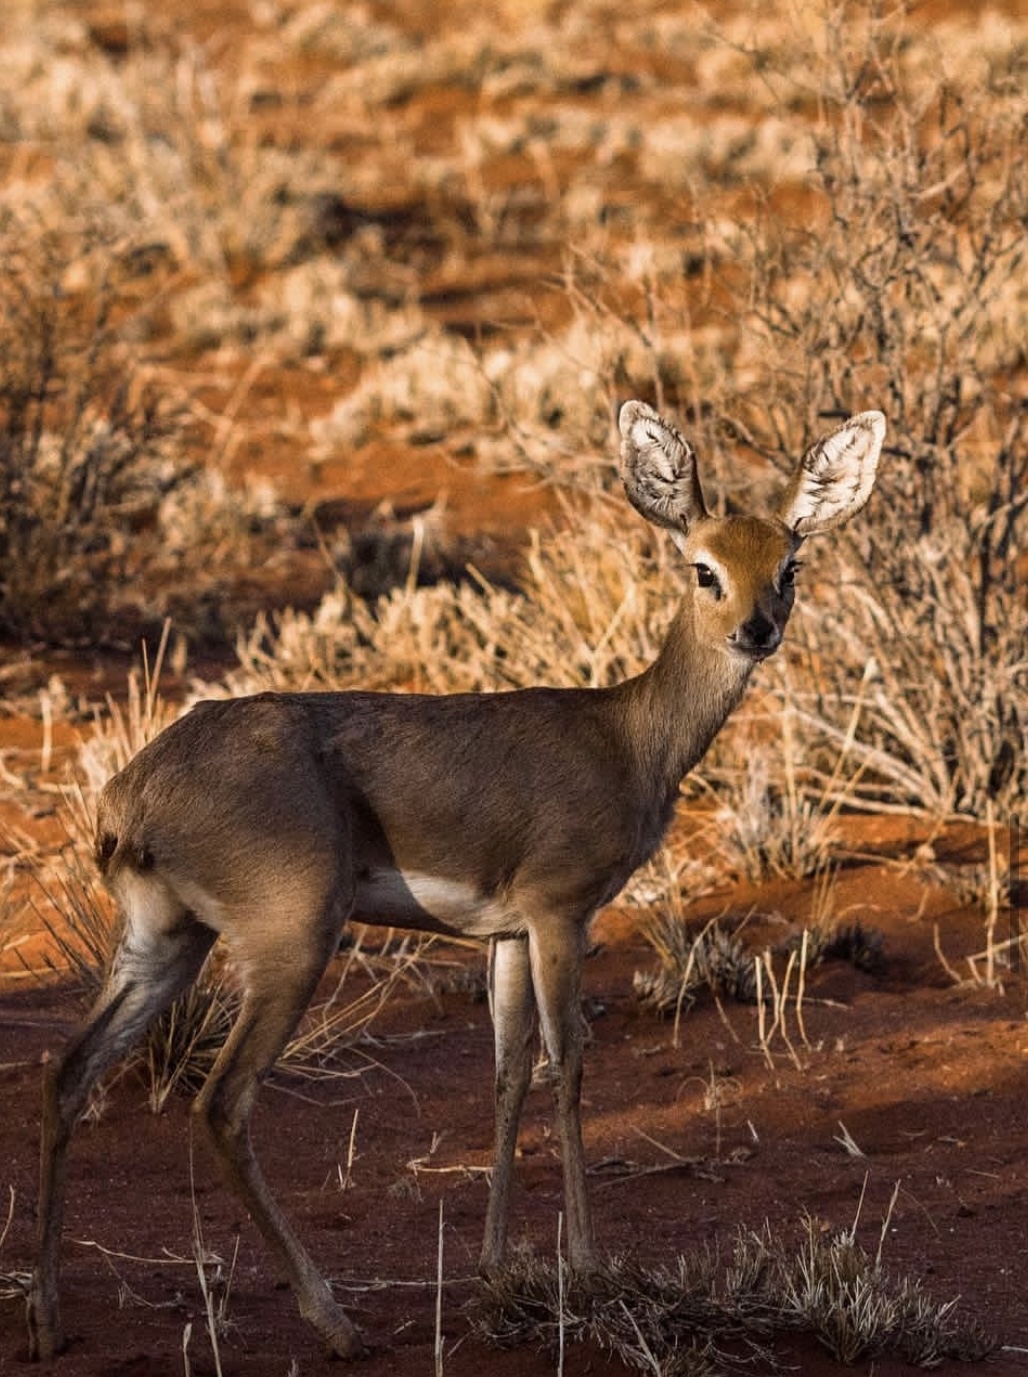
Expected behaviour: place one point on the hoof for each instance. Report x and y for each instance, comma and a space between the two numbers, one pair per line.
586, 1266
590, 1276
46, 1338
334, 1326
493, 1260
345, 1341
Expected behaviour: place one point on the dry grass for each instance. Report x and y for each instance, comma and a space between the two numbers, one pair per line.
590, 611
715, 959
13, 1285
842, 1294
775, 817
835, 219
712, 1314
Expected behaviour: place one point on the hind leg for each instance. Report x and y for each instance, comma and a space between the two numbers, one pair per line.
280, 976
160, 953
556, 957
512, 1005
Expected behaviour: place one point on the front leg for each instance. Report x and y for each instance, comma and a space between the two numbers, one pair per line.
556, 952
512, 1006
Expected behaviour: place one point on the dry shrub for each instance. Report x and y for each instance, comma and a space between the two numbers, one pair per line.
101, 512
906, 291
85, 452
900, 284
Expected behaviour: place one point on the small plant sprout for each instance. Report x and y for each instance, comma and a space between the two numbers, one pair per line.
846, 1141
438, 1345
346, 1181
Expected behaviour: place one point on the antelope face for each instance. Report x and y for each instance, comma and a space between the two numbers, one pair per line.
743, 590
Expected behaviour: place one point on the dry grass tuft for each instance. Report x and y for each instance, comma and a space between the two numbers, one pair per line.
713, 1315
670, 1321
717, 960
853, 943
591, 610
833, 1288
712, 960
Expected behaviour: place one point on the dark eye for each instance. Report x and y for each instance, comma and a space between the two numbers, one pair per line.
789, 573
706, 578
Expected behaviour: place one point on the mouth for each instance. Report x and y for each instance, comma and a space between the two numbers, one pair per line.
753, 653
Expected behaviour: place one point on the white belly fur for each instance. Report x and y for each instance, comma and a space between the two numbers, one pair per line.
407, 898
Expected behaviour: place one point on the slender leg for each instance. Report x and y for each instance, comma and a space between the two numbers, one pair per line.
280, 985
556, 955
512, 1005
149, 969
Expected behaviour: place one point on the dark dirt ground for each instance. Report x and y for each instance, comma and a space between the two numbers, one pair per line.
927, 1078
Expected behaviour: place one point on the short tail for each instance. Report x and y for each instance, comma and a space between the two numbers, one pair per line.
119, 839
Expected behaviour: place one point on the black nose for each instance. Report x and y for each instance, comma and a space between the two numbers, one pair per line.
759, 635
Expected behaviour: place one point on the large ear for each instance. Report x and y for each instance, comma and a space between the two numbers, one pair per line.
835, 476
658, 469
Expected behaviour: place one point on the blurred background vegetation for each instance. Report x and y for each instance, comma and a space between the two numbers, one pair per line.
277, 281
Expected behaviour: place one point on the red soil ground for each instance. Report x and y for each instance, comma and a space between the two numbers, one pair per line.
927, 1077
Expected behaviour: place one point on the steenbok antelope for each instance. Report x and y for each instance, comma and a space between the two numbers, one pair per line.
512, 817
